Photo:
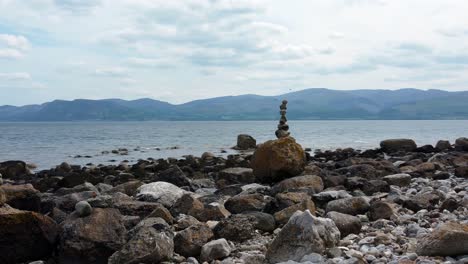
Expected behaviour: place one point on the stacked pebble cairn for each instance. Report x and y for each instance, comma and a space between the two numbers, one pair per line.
283, 127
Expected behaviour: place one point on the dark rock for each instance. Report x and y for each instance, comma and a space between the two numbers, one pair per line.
263, 221
347, 224
462, 172
283, 216
249, 202
374, 186
235, 175
190, 241
175, 176
308, 183
423, 200
13, 169
23, 197
91, 239
236, 228
381, 210
401, 179
245, 142
351, 206
278, 159
450, 204
129, 188
25, 236
460, 144
443, 145
394, 145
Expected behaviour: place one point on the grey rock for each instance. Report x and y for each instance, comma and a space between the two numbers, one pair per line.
163, 192
347, 224
302, 235
216, 249
83, 208
151, 244
401, 179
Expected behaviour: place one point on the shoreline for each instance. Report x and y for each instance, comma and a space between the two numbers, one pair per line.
384, 204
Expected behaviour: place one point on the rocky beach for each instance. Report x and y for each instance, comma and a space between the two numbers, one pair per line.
271, 203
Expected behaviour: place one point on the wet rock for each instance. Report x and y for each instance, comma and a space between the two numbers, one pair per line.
25, 236
381, 210
351, 206
278, 159
237, 227
234, 175
460, 144
150, 244
248, 202
23, 197
245, 142
162, 192
285, 200
449, 239
450, 204
401, 179
85, 187
91, 239
308, 183
216, 249
302, 235
347, 224
394, 145
83, 209
190, 241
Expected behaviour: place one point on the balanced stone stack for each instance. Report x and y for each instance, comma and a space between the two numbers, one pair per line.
283, 127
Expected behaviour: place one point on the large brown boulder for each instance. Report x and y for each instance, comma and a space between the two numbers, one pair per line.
92, 239
25, 236
278, 159
449, 239
394, 145
190, 241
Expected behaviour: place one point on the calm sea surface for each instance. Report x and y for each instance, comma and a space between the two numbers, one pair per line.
49, 144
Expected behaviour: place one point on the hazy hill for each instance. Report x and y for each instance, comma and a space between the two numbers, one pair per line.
317, 103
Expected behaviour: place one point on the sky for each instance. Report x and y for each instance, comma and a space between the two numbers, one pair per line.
178, 51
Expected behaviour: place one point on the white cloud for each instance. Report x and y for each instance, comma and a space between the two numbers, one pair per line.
15, 76
10, 54
13, 41
112, 72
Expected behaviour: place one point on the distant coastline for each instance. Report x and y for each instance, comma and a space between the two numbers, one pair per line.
310, 104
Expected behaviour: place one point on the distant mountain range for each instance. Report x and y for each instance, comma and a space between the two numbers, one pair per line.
309, 104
